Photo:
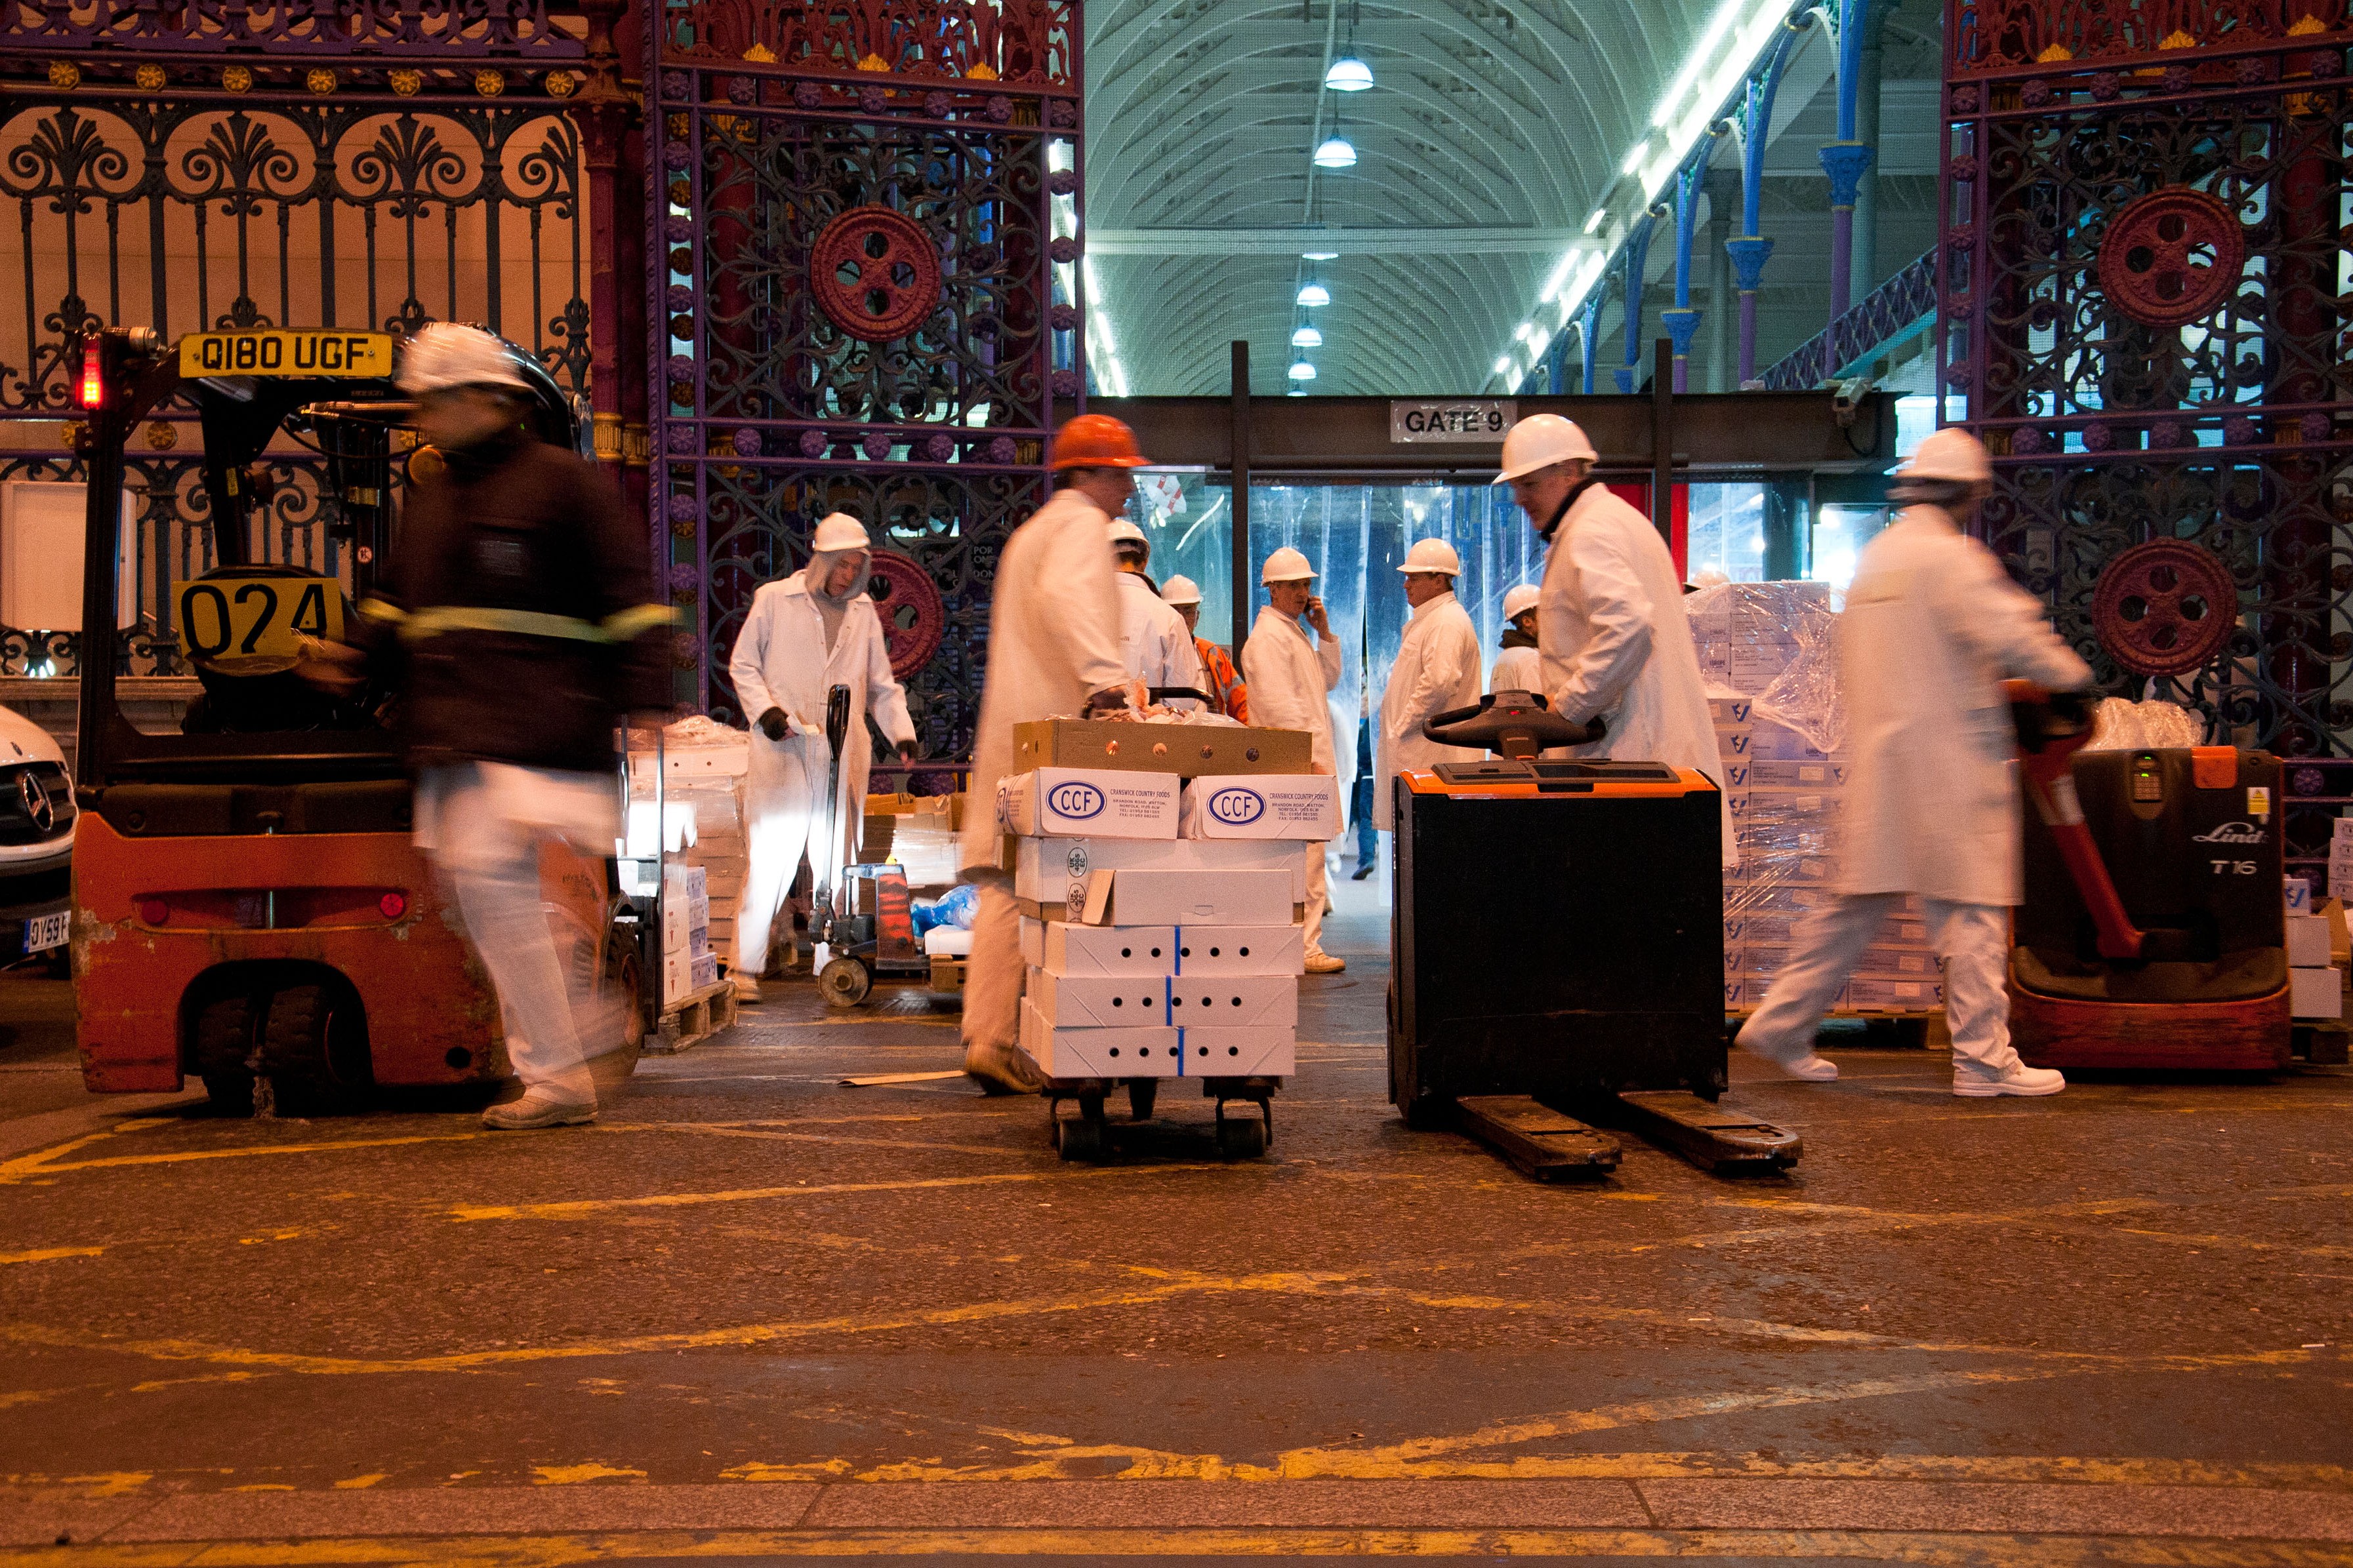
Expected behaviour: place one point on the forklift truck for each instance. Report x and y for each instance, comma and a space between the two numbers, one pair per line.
249, 909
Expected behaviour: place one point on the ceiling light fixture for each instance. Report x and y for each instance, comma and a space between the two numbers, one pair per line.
1336, 153
1503, 366
1312, 294
1319, 256
1308, 337
1593, 219
1348, 74
1300, 370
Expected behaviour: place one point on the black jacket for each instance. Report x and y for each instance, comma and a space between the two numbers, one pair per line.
519, 613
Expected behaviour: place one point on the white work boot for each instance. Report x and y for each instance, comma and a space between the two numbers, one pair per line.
1002, 1069
1974, 1081
747, 990
1812, 1067
539, 1107
1322, 963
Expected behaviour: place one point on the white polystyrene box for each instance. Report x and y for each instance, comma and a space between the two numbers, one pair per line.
1185, 898
1079, 950
2307, 941
1089, 803
2299, 894
1099, 1001
1046, 870
1294, 806
1097, 1053
1240, 1052
1233, 1001
1241, 950
2316, 993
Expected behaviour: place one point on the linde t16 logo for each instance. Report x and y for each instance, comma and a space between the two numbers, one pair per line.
1236, 806
1075, 800
2233, 833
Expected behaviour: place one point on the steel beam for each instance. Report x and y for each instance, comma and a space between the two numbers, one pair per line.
1291, 239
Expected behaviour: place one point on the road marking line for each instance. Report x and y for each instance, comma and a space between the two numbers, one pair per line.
46, 1253
577, 1207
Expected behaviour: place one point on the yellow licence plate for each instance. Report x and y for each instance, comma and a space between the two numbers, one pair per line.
285, 353
227, 616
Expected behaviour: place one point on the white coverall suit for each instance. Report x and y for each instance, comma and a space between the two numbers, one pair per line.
781, 661
1616, 643
1289, 678
1437, 669
1155, 640
1517, 669
1053, 642
1932, 627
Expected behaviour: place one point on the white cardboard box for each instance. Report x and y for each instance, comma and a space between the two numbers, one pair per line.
1233, 1001
1045, 870
1296, 807
1185, 898
1088, 803
2307, 941
1240, 1053
1099, 1001
2316, 993
1079, 950
1241, 950
2299, 894
1097, 1053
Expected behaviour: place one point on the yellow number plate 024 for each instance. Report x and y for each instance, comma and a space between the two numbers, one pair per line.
225, 616
356, 354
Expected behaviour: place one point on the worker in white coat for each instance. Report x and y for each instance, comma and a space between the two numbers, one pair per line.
1290, 676
1933, 626
805, 635
1518, 667
1437, 670
1053, 652
1152, 637
1616, 645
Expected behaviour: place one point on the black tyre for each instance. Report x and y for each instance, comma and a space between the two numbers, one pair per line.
1076, 1137
845, 982
316, 1044
232, 1092
1141, 1094
1242, 1137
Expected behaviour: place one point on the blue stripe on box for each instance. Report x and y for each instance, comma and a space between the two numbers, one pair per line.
1180, 1054
1180, 949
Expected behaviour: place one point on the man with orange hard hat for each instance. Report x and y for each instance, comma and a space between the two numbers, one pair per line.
1054, 650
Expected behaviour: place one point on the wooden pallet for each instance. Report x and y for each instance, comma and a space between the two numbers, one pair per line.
693, 1018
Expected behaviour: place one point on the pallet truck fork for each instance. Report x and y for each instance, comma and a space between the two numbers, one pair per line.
1546, 1034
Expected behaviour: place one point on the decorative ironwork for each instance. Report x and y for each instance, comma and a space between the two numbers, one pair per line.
1899, 309
2170, 257
875, 274
914, 617
850, 290
2227, 429
428, 28
2162, 607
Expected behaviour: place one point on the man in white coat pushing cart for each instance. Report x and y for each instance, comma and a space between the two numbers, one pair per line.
1289, 676
815, 630
1933, 626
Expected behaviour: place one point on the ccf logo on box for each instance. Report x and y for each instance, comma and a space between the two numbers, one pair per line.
1075, 800
1237, 807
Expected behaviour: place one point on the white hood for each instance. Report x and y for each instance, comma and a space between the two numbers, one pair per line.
21, 741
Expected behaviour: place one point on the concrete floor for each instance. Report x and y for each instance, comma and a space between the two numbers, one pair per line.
754, 1313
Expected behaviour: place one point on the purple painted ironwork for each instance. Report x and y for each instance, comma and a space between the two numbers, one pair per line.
1845, 163
1026, 44
1903, 305
362, 29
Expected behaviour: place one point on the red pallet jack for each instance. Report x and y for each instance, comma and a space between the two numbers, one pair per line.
2152, 934
1557, 944
866, 922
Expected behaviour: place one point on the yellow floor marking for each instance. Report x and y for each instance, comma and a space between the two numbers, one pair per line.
11, 1172
163, 1383
1922, 1548
359, 1483
718, 1129
45, 1254
575, 1207
573, 1475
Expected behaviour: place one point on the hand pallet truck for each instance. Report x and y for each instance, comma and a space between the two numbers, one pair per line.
859, 946
1082, 1128
1558, 938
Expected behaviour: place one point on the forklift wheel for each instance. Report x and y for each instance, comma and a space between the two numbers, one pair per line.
232, 1092
845, 982
1242, 1137
1077, 1136
1141, 1093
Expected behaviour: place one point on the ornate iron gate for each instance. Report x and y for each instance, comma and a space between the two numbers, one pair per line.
2141, 313
216, 166
866, 214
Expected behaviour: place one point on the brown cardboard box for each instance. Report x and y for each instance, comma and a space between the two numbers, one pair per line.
1189, 751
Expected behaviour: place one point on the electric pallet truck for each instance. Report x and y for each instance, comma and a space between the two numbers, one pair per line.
2153, 934
1557, 943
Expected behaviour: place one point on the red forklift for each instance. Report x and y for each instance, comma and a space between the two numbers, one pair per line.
249, 909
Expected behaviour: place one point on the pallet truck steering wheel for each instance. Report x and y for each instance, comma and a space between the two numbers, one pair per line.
1510, 725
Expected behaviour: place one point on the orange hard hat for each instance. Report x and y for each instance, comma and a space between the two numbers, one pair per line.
1096, 441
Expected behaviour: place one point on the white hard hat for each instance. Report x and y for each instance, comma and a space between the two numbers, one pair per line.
1949, 453
1285, 565
1520, 601
1432, 555
443, 355
1541, 440
1123, 531
839, 530
1180, 590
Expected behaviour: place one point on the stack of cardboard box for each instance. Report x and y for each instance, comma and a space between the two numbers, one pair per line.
689, 964
703, 767
2315, 983
1161, 918
1748, 633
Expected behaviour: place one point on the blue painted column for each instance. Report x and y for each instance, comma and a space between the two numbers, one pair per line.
1589, 328
1846, 159
1637, 259
1751, 251
1682, 321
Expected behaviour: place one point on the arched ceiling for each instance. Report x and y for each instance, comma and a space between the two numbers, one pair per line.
1491, 132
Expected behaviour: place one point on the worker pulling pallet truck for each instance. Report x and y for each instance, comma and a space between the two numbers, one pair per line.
1539, 1031
2182, 964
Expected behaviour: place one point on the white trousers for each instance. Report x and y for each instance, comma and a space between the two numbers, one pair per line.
1315, 897
783, 797
995, 973
483, 826
1973, 940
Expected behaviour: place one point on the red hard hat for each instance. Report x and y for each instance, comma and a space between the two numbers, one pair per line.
1096, 441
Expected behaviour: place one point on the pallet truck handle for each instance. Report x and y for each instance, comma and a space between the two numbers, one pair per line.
1510, 723
2051, 730
821, 868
